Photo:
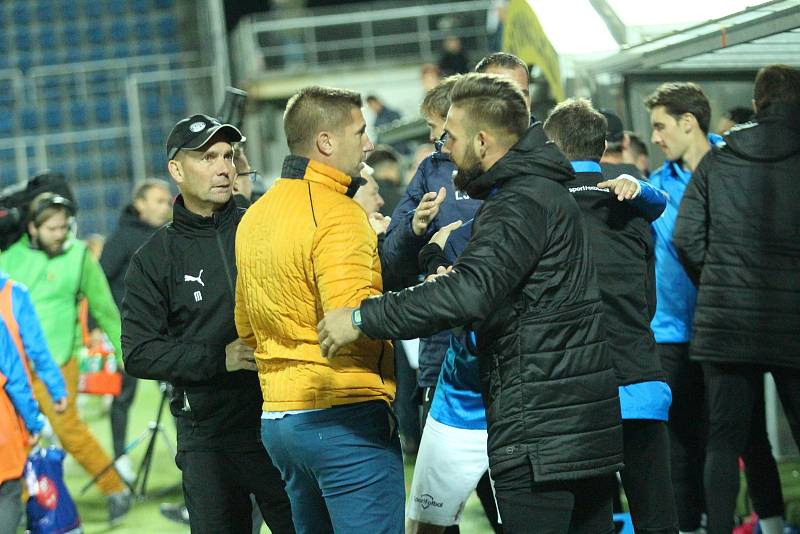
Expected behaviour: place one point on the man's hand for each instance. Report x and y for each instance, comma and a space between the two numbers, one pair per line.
336, 330
440, 271
239, 356
60, 406
379, 222
626, 187
441, 235
427, 210
33, 439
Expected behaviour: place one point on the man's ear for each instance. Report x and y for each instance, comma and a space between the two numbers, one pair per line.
32, 231
481, 143
755, 106
325, 143
688, 122
175, 169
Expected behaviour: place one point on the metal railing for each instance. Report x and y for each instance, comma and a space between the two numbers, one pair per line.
366, 36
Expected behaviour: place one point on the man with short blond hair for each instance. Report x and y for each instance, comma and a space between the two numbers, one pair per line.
305, 248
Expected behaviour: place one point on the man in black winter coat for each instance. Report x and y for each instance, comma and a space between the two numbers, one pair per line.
525, 287
737, 235
150, 208
623, 250
178, 326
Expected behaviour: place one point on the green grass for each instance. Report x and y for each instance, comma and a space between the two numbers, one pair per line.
164, 477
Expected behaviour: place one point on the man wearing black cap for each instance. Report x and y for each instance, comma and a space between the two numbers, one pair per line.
614, 163
178, 327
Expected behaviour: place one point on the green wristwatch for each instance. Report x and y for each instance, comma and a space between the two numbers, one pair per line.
356, 318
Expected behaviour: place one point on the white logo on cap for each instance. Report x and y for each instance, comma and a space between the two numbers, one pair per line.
197, 126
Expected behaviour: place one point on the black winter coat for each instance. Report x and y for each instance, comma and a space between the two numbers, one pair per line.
622, 246
738, 235
526, 285
177, 318
130, 234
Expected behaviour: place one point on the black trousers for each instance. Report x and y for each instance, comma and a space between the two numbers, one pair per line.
646, 477
217, 486
120, 407
687, 432
558, 507
737, 428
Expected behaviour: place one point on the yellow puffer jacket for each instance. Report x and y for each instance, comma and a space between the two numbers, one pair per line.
302, 249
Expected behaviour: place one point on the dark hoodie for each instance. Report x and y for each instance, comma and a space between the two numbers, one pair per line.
738, 234
525, 284
131, 233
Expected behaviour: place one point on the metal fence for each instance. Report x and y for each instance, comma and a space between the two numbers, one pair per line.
365, 36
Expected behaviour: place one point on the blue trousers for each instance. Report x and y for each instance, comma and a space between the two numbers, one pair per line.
343, 468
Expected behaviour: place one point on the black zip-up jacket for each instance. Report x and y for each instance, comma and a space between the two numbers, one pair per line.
131, 233
622, 246
177, 318
526, 285
738, 235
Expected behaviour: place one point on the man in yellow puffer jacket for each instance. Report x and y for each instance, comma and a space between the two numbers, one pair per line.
303, 249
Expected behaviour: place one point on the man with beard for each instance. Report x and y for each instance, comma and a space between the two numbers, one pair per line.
178, 326
305, 248
525, 289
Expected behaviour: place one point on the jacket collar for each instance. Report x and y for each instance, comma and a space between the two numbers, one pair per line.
301, 168
188, 222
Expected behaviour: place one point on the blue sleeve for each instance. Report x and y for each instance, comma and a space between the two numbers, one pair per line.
35, 344
401, 245
651, 201
17, 386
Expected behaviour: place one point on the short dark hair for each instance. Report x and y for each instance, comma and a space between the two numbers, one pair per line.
382, 154
777, 84
637, 145
502, 60
679, 98
437, 100
739, 115
141, 187
314, 109
577, 129
491, 101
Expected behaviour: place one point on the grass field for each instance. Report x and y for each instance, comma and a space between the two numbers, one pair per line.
164, 478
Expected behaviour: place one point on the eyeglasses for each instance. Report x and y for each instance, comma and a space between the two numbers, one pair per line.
254, 176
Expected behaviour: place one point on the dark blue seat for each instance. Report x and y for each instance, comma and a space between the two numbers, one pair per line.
102, 111
29, 120
78, 114
52, 116
167, 25
83, 168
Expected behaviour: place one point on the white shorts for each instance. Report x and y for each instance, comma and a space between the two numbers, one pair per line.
450, 462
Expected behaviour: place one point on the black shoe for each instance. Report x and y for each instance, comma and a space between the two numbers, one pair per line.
119, 504
175, 512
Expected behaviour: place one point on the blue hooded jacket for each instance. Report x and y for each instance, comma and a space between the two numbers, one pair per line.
17, 386
33, 340
401, 246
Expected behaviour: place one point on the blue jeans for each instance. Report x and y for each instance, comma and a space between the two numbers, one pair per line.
342, 467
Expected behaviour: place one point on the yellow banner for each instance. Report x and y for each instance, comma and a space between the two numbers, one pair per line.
523, 36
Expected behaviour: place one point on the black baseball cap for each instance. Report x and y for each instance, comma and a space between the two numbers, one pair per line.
193, 132
616, 131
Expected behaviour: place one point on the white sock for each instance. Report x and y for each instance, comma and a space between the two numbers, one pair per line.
771, 525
